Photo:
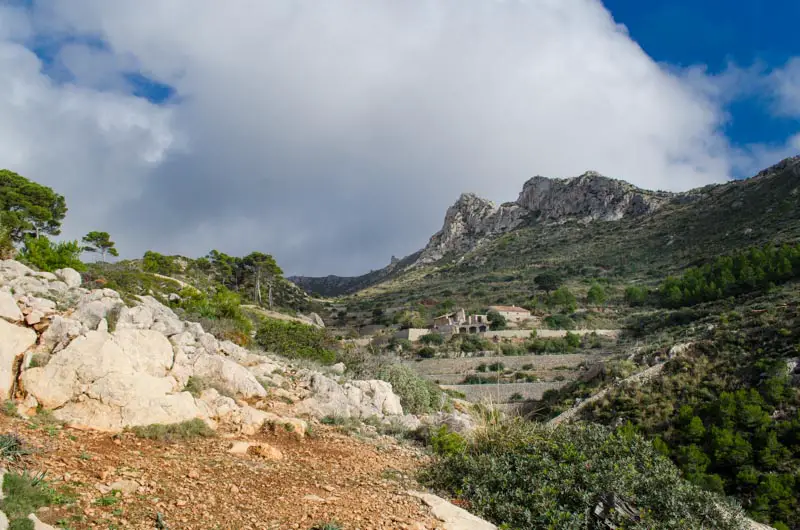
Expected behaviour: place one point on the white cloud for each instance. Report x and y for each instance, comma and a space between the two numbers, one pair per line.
787, 88
335, 134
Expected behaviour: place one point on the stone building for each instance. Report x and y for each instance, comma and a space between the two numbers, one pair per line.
511, 313
459, 322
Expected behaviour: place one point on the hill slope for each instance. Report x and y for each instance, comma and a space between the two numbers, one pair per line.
586, 226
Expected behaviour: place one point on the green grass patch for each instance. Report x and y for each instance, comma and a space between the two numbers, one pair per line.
186, 430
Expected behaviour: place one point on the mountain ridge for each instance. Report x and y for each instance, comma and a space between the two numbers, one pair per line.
471, 222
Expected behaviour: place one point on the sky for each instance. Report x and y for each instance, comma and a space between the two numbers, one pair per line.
335, 134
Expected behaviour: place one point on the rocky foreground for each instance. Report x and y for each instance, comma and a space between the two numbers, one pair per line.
100, 364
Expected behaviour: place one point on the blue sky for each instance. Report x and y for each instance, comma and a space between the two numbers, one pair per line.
716, 33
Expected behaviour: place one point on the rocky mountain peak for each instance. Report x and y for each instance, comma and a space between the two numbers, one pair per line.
588, 197
468, 222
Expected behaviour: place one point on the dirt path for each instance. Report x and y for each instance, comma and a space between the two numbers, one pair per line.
199, 485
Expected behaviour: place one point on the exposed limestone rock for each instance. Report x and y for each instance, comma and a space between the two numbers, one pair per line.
71, 277
39, 525
227, 374
14, 342
317, 320
588, 197
94, 306
468, 223
9, 309
60, 333
360, 399
471, 221
95, 375
453, 517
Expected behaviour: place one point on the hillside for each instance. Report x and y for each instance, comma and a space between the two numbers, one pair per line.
489, 254
703, 286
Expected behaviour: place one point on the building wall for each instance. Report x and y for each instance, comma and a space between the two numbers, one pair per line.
412, 334
515, 316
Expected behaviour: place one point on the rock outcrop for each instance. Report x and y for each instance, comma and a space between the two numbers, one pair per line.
589, 197
99, 363
469, 222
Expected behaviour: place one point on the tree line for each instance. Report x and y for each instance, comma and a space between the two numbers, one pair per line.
754, 269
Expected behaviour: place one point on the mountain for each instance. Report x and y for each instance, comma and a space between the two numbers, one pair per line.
338, 285
592, 221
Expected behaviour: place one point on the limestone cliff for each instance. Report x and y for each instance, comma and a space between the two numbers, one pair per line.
470, 221
589, 197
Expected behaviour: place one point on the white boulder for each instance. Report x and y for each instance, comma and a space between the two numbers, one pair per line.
14, 341
9, 309
71, 277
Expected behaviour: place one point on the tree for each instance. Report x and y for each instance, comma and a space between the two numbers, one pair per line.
635, 295
262, 267
596, 294
496, 320
28, 208
548, 281
48, 256
100, 242
563, 298
159, 263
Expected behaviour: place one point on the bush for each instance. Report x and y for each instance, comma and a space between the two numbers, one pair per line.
187, 430
445, 442
635, 296
417, 395
432, 339
564, 299
498, 321
25, 494
295, 340
159, 263
596, 295
575, 467
48, 256
7, 250
559, 322
427, 352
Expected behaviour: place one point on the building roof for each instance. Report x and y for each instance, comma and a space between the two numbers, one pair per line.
509, 309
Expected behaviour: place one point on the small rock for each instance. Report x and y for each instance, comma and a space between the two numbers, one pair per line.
193, 474
338, 369
125, 486
234, 489
313, 498
38, 525
34, 317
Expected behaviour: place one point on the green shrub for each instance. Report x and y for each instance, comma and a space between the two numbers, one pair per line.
575, 466
564, 299
25, 494
159, 263
417, 395
596, 295
432, 339
7, 250
445, 442
559, 322
427, 352
295, 340
635, 296
186, 430
48, 256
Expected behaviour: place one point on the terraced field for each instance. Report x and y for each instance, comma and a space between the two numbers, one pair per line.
522, 378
